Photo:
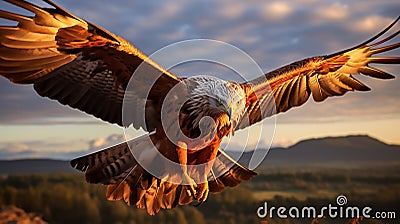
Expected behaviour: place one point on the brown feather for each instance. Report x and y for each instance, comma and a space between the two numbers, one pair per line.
376, 73
55, 48
128, 181
86, 67
322, 77
385, 60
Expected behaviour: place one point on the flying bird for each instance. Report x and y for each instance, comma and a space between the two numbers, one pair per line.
86, 67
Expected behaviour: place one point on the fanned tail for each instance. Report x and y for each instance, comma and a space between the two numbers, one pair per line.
127, 180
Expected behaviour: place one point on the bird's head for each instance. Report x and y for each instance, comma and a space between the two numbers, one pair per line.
223, 101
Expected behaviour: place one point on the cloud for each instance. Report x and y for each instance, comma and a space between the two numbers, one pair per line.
370, 23
273, 33
11, 151
42, 149
22, 105
64, 150
232, 11
15, 147
104, 142
277, 9
336, 11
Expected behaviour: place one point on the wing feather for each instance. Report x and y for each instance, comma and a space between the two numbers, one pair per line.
321, 77
376, 73
301, 94
285, 94
78, 63
226, 172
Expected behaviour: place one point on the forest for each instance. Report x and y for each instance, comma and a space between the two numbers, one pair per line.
66, 198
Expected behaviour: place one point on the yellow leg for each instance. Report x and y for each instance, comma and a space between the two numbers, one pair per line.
186, 179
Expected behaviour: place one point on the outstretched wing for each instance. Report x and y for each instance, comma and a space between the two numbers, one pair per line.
321, 77
226, 172
79, 64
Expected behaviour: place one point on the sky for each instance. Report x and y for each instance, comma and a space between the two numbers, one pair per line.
273, 33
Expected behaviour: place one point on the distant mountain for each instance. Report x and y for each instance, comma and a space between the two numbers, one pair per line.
330, 152
28, 166
360, 150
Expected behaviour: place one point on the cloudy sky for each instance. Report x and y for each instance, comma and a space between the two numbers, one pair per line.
273, 33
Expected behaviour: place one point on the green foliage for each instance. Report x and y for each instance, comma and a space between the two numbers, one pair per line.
67, 198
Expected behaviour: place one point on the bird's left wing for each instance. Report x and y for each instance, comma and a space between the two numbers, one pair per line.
226, 172
321, 77
79, 64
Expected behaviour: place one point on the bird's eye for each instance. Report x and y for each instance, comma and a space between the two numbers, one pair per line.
237, 103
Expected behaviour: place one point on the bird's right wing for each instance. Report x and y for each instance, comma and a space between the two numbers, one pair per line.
321, 77
80, 64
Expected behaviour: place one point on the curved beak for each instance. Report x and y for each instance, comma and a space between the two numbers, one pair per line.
228, 109
229, 112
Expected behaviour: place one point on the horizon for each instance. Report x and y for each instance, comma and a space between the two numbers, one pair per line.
68, 156
273, 34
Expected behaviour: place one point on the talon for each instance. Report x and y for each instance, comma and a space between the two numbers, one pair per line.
186, 180
192, 190
198, 204
202, 192
205, 195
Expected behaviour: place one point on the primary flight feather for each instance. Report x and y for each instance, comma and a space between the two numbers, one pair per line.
88, 68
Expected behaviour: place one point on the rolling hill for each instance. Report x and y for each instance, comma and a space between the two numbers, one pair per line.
331, 152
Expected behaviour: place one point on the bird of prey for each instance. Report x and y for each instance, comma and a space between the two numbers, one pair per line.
88, 68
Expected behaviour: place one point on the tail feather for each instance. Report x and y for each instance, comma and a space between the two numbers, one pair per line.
116, 192
150, 198
128, 181
106, 166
